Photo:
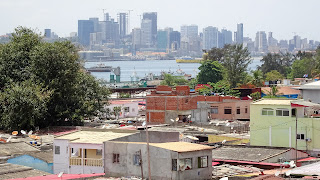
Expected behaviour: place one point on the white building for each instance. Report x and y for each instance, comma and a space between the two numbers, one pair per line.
129, 108
146, 31
210, 37
82, 152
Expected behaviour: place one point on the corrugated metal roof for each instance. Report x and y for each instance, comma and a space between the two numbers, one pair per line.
311, 169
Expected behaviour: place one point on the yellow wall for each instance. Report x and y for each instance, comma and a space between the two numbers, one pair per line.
91, 153
230, 140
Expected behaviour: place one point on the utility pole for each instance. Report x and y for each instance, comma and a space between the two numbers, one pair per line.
148, 152
296, 137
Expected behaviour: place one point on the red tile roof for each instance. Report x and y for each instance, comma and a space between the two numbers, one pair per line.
285, 90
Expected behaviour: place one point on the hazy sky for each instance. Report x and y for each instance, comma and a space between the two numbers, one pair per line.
282, 17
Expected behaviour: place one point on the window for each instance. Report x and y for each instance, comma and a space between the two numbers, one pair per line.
214, 110
300, 136
246, 110
282, 112
116, 158
238, 110
227, 110
99, 152
136, 160
56, 149
202, 161
267, 112
174, 164
185, 164
126, 109
293, 112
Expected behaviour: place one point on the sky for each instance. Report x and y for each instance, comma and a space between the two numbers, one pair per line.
284, 18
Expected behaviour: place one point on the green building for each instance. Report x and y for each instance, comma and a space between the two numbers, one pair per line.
162, 40
273, 123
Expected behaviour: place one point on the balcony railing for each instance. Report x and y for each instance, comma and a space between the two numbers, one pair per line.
86, 162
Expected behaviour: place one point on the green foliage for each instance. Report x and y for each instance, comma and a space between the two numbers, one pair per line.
274, 76
124, 95
210, 71
221, 87
23, 105
257, 78
255, 96
279, 62
55, 66
193, 83
274, 92
235, 60
171, 80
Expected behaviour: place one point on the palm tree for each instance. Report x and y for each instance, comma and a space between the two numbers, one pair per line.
257, 78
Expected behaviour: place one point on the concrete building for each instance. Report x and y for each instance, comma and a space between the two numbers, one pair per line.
47, 33
95, 21
136, 38
83, 152
174, 41
210, 37
227, 37
239, 37
311, 91
273, 123
173, 160
85, 27
190, 31
129, 108
162, 40
123, 24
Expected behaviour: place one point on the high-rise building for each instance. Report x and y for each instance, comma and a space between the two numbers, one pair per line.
146, 29
210, 37
297, 41
136, 39
175, 38
261, 44
95, 21
162, 40
189, 31
239, 37
85, 27
272, 41
227, 37
152, 16
123, 24
47, 33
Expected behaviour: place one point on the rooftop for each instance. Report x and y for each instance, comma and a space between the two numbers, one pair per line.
13, 171
274, 102
95, 137
285, 90
181, 146
313, 85
310, 169
7, 149
254, 154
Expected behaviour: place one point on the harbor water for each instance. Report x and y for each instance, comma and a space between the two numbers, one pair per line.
143, 68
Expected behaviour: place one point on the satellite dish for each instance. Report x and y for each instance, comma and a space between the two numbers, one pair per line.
288, 173
30, 132
60, 174
227, 124
277, 173
23, 132
144, 123
103, 126
217, 124
189, 116
8, 140
224, 141
171, 120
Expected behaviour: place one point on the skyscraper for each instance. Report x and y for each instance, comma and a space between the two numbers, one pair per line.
47, 33
123, 24
162, 40
152, 16
210, 37
261, 44
227, 37
175, 38
85, 27
146, 29
189, 31
95, 21
239, 38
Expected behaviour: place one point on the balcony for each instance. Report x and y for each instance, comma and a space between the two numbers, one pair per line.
86, 162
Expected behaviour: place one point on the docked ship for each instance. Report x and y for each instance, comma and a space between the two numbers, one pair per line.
188, 59
100, 68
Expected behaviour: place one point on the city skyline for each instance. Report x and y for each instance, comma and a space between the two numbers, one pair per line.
284, 19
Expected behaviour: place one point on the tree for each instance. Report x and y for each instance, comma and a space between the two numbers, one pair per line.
171, 80
274, 76
23, 105
221, 88
257, 78
55, 66
280, 62
210, 71
116, 111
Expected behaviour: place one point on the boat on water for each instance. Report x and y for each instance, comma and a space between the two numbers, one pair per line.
100, 68
188, 59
